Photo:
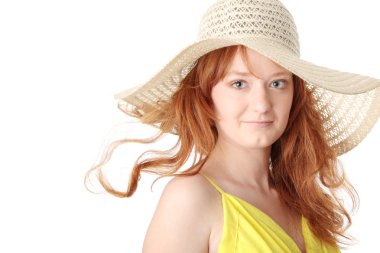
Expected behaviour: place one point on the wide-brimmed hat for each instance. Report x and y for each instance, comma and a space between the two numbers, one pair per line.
349, 103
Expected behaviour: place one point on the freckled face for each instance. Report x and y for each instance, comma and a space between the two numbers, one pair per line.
253, 103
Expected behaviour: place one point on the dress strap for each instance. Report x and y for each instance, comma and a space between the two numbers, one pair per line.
212, 183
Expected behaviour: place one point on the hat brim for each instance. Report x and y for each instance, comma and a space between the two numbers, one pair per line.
341, 95
330, 79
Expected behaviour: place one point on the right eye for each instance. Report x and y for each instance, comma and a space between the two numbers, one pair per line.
238, 84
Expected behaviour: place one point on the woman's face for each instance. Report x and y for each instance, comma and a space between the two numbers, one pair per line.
253, 103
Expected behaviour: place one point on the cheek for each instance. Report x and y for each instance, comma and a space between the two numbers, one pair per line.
228, 109
288, 105
224, 105
282, 106
285, 109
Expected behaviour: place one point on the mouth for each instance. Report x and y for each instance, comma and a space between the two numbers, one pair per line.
260, 124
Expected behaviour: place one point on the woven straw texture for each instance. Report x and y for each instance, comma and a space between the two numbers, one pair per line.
349, 103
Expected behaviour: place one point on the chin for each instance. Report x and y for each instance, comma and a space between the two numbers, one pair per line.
260, 144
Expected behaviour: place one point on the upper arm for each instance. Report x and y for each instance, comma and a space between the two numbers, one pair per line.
181, 221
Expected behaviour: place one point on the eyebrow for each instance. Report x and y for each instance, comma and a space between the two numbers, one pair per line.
238, 73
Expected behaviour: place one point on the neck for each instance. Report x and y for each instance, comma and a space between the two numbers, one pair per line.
242, 165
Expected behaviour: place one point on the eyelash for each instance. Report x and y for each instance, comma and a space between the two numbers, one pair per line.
283, 81
241, 81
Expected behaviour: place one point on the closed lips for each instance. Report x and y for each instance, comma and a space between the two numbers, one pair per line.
258, 122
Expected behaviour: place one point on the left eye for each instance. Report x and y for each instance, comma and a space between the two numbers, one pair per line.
238, 84
278, 84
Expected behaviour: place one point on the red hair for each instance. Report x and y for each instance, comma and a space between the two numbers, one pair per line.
304, 168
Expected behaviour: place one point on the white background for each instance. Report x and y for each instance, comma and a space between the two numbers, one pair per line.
61, 62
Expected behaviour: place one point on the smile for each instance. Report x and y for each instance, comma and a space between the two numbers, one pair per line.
258, 124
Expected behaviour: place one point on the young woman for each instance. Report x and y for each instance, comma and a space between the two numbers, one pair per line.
266, 129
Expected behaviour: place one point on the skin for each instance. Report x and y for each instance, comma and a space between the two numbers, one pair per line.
252, 103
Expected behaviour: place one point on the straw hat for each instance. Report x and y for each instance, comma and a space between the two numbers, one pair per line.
349, 103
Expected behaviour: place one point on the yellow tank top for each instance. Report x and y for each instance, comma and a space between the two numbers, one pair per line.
247, 229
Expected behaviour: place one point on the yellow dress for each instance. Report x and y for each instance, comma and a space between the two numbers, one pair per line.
247, 229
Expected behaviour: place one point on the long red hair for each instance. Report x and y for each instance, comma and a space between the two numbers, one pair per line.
304, 168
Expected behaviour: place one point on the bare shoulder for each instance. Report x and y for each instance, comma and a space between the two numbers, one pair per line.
191, 193
183, 218
196, 189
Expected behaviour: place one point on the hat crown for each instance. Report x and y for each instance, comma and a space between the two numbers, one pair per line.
256, 19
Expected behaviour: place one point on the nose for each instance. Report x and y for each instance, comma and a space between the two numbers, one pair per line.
259, 98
